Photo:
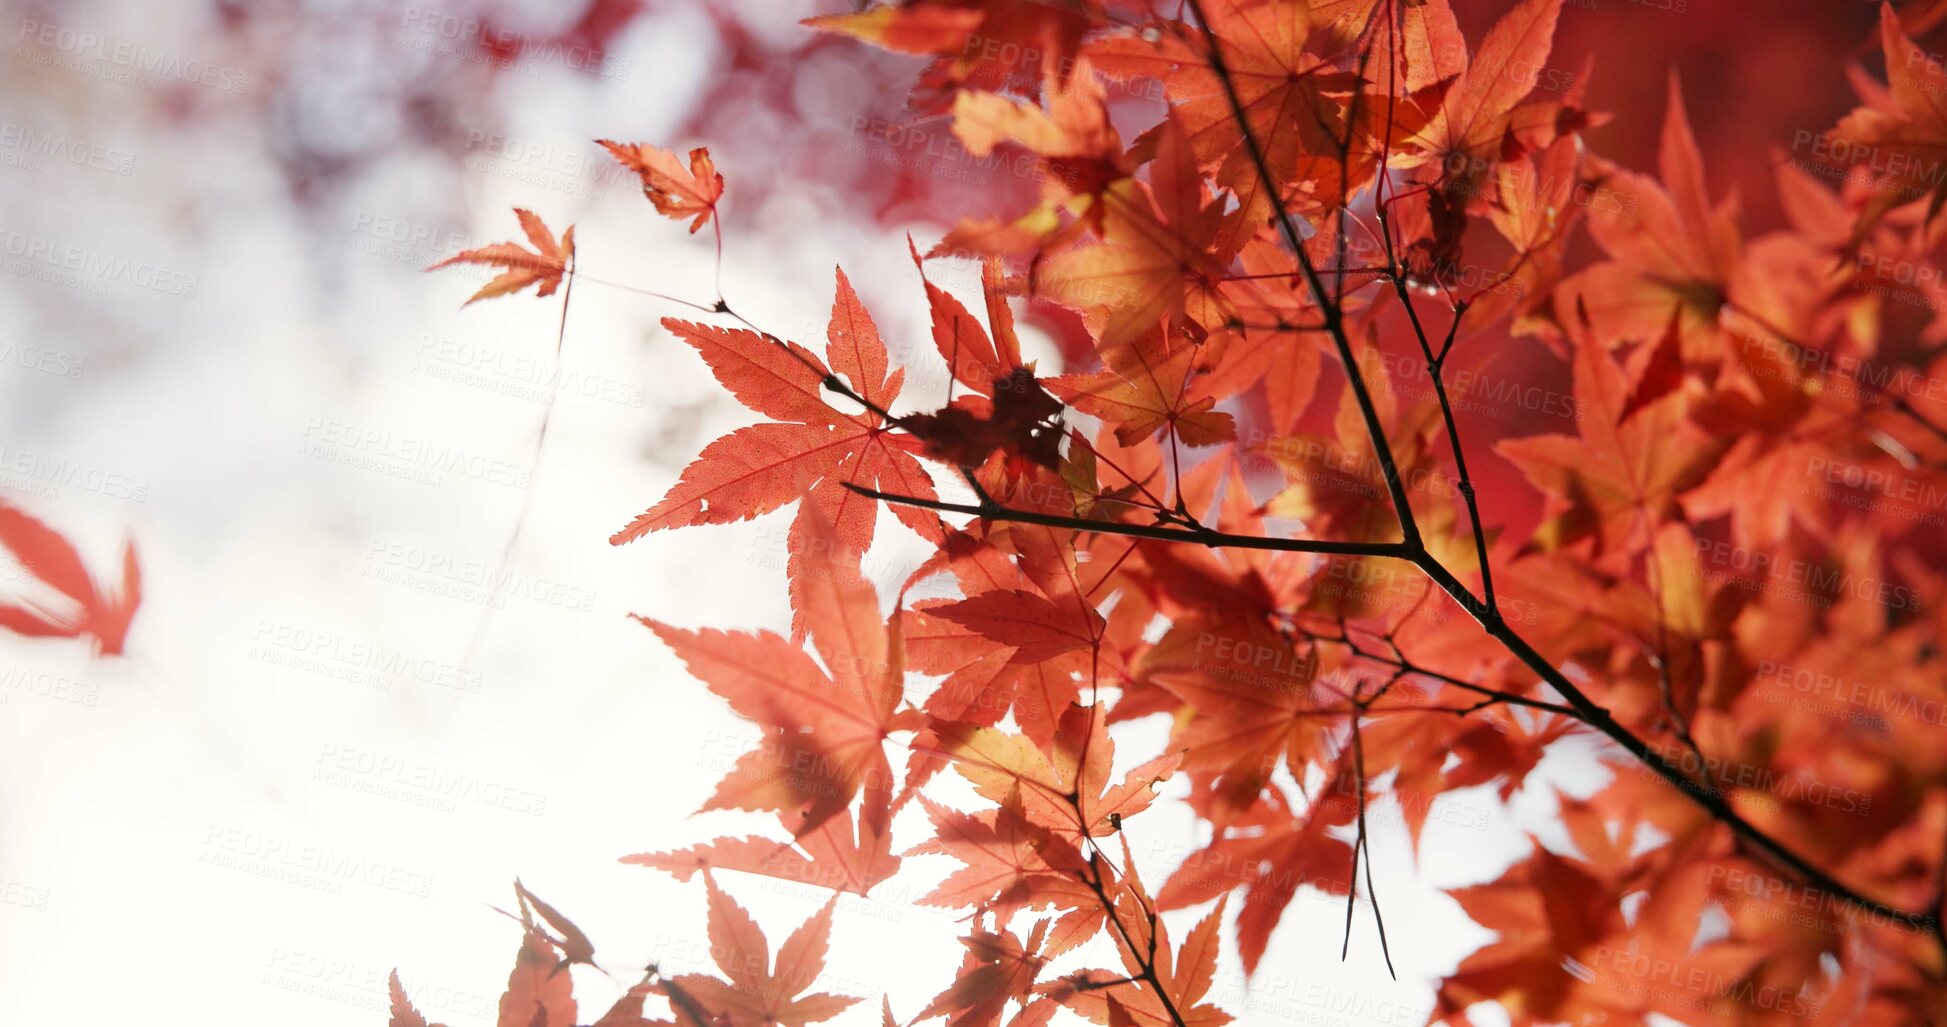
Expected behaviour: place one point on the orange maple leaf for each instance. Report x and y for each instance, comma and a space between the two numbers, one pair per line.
1671, 252
1271, 853
1164, 252
676, 192
1009, 863
545, 264
1907, 131
1067, 791
1250, 688
985, 678
1289, 95
841, 856
991, 45
997, 969
1469, 122
810, 451
1620, 468
1147, 387
759, 991
824, 731
1184, 974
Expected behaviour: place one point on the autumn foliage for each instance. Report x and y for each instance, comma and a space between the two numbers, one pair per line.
1248, 507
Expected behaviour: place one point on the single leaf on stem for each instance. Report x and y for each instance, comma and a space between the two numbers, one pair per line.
544, 265
677, 192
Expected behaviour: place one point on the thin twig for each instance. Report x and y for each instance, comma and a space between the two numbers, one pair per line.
1145, 962
1359, 847
1493, 695
1200, 537
665, 297
512, 545
1334, 316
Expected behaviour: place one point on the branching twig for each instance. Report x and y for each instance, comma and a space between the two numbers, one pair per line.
1359, 847
1204, 537
1145, 957
1400, 661
1333, 314
1414, 550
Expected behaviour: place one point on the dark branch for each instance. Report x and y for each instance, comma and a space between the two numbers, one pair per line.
1146, 957
1333, 314
994, 512
1414, 549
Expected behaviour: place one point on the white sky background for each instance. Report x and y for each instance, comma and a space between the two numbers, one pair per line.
149, 802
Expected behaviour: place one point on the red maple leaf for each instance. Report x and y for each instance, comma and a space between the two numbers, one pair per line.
824, 731
83, 609
812, 450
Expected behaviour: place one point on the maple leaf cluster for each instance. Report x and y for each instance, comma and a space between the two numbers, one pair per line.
1246, 514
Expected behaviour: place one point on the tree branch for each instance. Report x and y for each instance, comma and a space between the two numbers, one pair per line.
1414, 550
1359, 848
1711, 800
1333, 315
1146, 957
1205, 537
